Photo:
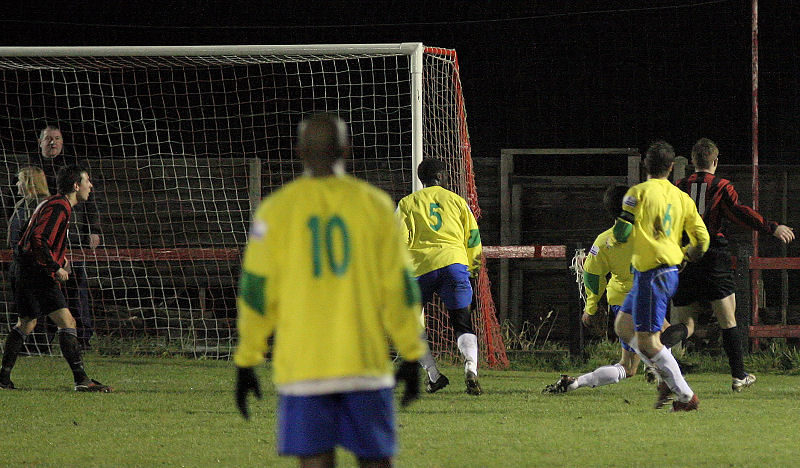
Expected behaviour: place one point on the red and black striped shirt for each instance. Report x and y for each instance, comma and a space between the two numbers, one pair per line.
44, 241
716, 198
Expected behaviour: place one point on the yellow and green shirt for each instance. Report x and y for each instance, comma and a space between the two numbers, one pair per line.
603, 258
440, 230
326, 269
654, 216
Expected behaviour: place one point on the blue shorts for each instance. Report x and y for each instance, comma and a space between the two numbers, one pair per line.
649, 297
362, 422
452, 284
614, 309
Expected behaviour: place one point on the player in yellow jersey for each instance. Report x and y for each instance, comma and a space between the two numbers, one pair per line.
327, 271
445, 246
654, 216
605, 257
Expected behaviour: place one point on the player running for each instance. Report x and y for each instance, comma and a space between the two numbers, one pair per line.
654, 216
445, 245
711, 279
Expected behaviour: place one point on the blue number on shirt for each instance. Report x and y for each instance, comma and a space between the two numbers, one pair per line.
437, 215
335, 235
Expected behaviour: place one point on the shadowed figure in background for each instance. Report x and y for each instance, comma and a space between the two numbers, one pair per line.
32, 186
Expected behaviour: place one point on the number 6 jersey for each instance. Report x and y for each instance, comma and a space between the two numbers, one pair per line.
654, 216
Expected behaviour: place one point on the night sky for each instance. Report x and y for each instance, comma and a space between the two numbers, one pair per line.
535, 74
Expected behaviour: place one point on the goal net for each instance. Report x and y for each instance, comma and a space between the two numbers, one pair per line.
182, 143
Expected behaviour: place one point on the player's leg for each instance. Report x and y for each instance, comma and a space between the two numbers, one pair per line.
692, 289
27, 296
323, 460
78, 302
605, 375
366, 426
428, 284
725, 311
71, 350
307, 427
683, 323
14, 343
655, 289
456, 294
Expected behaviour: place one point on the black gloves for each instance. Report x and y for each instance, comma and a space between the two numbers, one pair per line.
246, 382
408, 373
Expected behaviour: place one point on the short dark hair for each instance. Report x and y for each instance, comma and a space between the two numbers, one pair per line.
703, 153
612, 199
658, 159
429, 169
46, 128
325, 135
67, 177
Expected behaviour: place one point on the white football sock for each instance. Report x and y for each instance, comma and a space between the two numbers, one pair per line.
605, 375
468, 345
429, 364
668, 368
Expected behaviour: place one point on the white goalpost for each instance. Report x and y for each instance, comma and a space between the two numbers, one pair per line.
184, 141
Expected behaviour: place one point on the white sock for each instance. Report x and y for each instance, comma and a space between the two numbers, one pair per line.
468, 345
668, 368
429, 364
605, 375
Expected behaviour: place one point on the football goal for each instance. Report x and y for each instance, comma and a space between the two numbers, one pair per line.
183, 142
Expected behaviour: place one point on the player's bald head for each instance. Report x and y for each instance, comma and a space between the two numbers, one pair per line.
322, 138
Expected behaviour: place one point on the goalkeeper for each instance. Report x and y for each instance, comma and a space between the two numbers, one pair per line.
445, 246
325, 269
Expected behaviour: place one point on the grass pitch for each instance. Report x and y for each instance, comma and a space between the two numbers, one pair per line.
178, 412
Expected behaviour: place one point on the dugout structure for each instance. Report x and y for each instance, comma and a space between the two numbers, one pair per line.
183, 142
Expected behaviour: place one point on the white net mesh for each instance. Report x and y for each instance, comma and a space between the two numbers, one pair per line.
182, 148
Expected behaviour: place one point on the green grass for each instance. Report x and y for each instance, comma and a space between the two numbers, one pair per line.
180, 412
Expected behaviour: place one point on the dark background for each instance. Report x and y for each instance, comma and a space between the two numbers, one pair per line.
535, 74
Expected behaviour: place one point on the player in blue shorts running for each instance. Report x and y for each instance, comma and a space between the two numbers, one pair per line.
326, 269
445, 245
654, 216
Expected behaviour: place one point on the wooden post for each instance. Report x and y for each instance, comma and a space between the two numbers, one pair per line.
634, 170
784, 272
515, 292
506, 168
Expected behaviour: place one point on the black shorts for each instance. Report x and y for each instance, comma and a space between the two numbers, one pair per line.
37, 294
707, 280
